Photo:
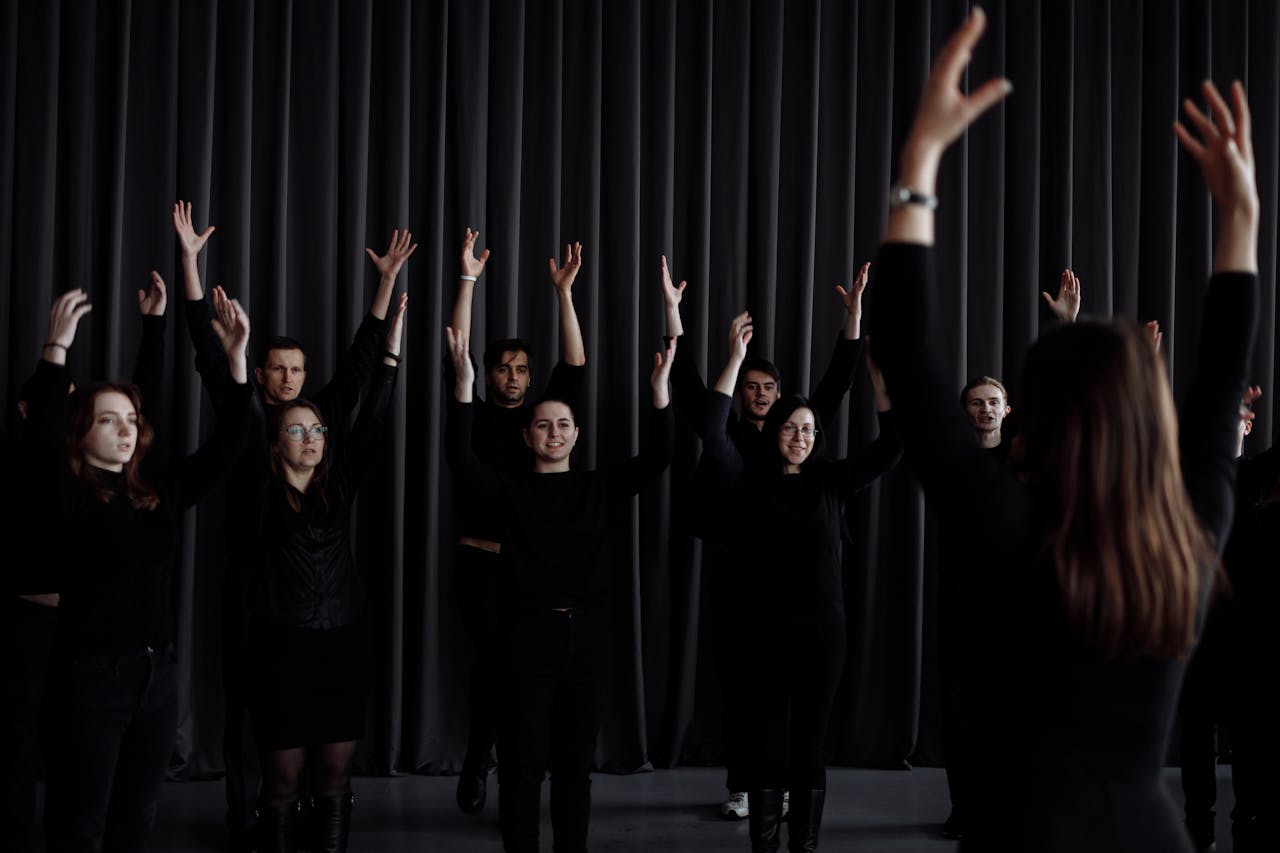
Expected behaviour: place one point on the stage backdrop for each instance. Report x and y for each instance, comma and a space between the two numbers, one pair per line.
752, 142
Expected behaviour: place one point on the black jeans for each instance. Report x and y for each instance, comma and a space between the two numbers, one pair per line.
797, 664
121, 717
730, 607
960, 661
239, 754
26, 638
477, 574
550, 715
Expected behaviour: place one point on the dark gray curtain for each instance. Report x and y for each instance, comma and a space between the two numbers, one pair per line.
752, 142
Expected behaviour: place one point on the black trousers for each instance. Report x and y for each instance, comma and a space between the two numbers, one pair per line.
550, 716
477, 574
797, 660
959, 659
120, 720
1201, 707
26, 640
729, 603
239, 753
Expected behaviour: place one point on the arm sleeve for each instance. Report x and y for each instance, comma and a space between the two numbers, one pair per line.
45, 433
148, 370
829, 393
338, 398
688, 391
721, 459
959, 479
363, 441
654, 456
568, 382
211, 361
1211, 411
468, 470
864, 467
196, 473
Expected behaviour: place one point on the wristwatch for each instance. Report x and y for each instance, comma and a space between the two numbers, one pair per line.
900, 194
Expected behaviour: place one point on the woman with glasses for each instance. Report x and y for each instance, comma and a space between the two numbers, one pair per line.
793, 497
309, 683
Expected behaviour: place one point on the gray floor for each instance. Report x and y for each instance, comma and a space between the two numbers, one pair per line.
667, 810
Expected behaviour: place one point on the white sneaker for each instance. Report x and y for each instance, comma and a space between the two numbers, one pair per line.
786, 803
736, 807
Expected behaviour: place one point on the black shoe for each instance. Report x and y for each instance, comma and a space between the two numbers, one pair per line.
472, 782
332, 817
278, 828
953, 829
806, 819
765, 819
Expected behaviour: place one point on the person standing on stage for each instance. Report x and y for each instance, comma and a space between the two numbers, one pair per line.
281, 376
114, 685
497, 438
728, 598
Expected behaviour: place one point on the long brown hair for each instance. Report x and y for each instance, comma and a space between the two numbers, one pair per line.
319, 484
141, 494
1099, 431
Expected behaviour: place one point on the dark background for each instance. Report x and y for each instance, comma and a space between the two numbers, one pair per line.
752, 142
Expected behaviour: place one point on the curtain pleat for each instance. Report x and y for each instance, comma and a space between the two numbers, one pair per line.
752, 143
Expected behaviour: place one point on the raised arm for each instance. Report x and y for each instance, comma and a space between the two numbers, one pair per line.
571, 349
468, 469
655, 452
191, 243
1067, 306
148, 370
45, 429
829, 393
472, 268
1210, 413
388, 266
363, 441
689, 390
740, 331
671, 297
862, 468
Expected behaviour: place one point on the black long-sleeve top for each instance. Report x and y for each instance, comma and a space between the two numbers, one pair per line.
29, 571
1077, 719
114, 563
795, 560
1252, 555
337, 399
497, 438
305, 575
708, 517
555, 526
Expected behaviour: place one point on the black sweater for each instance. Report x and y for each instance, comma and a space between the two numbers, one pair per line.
1090, 734
304, 574
115, 564
793, 560
554, 527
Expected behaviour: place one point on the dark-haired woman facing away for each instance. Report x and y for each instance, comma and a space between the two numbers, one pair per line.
309, 667
1101, 544
554, 594
115, 674
793, 497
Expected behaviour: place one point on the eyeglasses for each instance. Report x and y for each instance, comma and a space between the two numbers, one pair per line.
297, 432
806, 431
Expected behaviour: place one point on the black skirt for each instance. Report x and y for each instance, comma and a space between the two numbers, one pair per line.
308, 687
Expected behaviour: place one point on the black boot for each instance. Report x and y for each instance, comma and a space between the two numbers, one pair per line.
765, 819
278, 828
472, 783
806, 819
332, 817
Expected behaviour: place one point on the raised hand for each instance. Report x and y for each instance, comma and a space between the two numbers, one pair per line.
398, 251
64, 319
1152, 328
1225, 151
471, 265
562, 277
230, 322
396, 329
191, 242
740, 331
152, 302
944, 110
1067, 306
661, 375
671, 294
852, 299
463, 370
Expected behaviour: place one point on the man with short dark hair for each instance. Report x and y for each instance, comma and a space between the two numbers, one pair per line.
497, 437
280, 376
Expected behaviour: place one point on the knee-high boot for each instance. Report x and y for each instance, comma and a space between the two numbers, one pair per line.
806, 819
765, 819
278, 827
332, 817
